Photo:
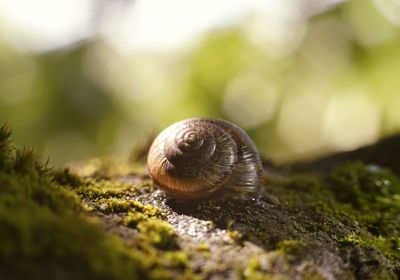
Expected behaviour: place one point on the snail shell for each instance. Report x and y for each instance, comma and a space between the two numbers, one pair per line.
196, 157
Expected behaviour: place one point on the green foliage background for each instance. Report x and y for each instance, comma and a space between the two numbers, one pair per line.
88, 100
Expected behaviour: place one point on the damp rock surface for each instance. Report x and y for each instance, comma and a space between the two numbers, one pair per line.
343, 224
105, 219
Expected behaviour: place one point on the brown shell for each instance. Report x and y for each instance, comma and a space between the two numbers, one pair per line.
196, 157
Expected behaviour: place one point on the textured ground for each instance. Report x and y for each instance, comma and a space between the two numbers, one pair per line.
294, 228
106, 220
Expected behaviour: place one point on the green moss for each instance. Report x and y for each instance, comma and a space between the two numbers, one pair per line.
124, 205
42, 231
157, 233
354, 210
294, 250
141, 212
362, 197
292, 247
252, 268
373, 194
133, 218
235, 235
114, 205
5, 147
253, 271
96, 190
64, 177
364, 186
45, 232
27, 161
389, 246
301, 190
205, 247
40, 245
354, 197
367, 194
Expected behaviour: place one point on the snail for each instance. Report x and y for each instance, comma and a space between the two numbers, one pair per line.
198, 157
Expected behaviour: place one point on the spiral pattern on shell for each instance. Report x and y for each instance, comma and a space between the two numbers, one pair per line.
196, 157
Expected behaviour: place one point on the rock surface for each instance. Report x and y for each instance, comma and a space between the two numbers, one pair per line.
106, 220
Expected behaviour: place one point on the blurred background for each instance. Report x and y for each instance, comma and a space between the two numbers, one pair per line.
88, 78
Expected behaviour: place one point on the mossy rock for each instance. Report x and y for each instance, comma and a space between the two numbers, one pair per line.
107, 220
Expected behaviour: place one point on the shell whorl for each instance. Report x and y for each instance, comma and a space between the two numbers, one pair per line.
196, 157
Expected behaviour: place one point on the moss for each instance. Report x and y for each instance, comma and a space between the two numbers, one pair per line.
27, 161
389, 246
205, 247
157, 233
254, 271
373, 194
352, 214
45, 232
97, 190
149, 210
362, 198
296, 248
253, 267
363, 186
311, 218
364, 251
367, 194
132, 219
159, 255
140, 213
40, 245
114, 205
40, 223
303, 191
235, 235
64, 177
124, 205
5, 147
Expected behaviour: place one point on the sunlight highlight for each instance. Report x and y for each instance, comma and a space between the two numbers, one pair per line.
352, 119
45, 24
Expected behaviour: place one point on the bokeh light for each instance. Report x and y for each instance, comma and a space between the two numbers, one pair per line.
352, 119
44, 24
83, 79
250, 100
